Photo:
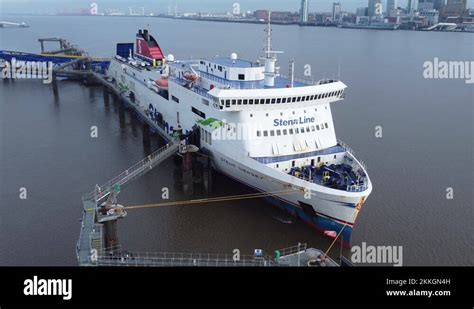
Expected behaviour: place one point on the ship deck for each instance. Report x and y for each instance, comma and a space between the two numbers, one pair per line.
336, 176
281, 81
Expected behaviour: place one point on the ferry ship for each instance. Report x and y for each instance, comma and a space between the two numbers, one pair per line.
273, 133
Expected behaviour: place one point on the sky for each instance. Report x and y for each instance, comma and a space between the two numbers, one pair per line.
161, 6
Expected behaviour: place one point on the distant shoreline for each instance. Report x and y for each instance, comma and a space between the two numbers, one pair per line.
236, 21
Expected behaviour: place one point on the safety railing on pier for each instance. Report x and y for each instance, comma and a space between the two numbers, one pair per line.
134, 171
292, 250
116, 257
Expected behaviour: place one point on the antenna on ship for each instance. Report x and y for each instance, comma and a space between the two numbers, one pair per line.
292, 73
270, 56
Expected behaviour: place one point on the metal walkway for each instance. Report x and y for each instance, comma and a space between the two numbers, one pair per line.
90, 236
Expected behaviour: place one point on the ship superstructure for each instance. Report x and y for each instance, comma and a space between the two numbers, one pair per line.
272, 133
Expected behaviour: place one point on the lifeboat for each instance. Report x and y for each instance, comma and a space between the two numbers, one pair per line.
190, 76
162, 83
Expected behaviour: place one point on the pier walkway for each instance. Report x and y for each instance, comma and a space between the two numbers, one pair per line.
90, 237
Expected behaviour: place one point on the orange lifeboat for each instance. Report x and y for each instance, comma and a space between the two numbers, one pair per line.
190, 76
162, 83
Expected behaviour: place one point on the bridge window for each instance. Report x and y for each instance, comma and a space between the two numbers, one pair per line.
278, 132
290, 131
198, 112
241, 76
206, 102
239, 102
299, 99
297, 131
278, 100
267, 101
258, 133
312, 128
326, 125
302, 130
250, 101
262, 101
285, 131
234, 102
307, 98
307, 129
283, 100
245, 101
175, 99
227, 103
265, 133
317, 127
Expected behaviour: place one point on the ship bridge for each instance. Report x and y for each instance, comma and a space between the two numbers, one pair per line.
325, 92
236, 85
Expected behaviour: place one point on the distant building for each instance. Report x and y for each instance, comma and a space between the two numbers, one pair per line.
432, 16
362, 20
391, 5
396, 13
304, 11
455, 8
361, 12
276, 16
439, 4
425, 5
336, 12
412, 6
372, 9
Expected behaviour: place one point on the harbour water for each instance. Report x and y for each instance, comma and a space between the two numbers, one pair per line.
426, 146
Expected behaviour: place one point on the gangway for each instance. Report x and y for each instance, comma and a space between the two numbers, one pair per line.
91, 235
138, 169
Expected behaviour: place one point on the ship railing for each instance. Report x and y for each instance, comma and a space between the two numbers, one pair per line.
198, 90
299, 80
132, 172
116, 257
352, 153
231, 83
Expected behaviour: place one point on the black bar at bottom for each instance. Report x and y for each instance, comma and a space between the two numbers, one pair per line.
316, 286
